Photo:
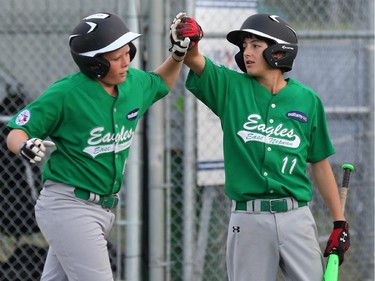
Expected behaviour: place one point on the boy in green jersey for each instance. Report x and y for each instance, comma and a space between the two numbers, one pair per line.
91, 117
272, 128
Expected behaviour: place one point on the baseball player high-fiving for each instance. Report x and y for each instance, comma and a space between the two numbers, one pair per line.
272, 128
91, 117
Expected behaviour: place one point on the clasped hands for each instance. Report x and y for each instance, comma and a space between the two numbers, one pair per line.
185, 33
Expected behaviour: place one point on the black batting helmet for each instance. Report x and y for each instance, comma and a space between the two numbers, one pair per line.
274, 29
95, 35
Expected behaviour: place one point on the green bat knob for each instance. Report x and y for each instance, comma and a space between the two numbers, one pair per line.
348, 166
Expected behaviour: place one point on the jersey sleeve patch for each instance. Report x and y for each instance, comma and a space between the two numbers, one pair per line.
23, 117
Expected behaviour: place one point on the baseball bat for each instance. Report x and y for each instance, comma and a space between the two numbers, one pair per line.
332, 269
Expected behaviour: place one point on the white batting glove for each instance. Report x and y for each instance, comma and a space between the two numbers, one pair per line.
33, 149
179, 47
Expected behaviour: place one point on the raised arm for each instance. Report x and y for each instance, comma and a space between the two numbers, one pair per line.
195, 60
170, 69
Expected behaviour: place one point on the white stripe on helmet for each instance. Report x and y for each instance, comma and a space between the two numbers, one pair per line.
122, 41
259, 33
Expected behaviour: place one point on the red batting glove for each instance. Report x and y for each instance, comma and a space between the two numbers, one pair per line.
179, 46
188, 27
339, 241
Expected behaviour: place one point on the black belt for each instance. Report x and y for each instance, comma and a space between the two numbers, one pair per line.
108, 202
268, 205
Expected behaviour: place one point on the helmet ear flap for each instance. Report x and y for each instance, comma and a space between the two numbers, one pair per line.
100, 67
286, 61
96, 67
133, 50
239, 60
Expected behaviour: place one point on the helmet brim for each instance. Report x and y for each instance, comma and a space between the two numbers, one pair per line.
235, 36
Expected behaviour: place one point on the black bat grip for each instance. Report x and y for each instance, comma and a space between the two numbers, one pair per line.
346, 177
348, 168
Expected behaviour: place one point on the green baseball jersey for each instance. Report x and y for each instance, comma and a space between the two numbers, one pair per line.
91, 129
268, 138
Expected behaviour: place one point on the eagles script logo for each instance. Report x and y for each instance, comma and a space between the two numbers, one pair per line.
102, 142
256, 131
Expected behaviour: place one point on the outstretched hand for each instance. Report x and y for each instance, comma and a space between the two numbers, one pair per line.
33, 149
188, 27
180, 45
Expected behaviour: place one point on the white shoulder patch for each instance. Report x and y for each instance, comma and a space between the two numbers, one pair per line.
23, 117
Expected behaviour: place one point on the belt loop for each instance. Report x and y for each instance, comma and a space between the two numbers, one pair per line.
294, 203
290, 203
257, 206
250, 207
234, 205
94, 197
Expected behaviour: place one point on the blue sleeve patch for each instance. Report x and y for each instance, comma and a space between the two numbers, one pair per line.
132, 115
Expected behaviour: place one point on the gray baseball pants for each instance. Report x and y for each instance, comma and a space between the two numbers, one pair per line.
76, 231
258, 244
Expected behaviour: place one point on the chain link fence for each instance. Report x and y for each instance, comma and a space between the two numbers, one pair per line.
335, 58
